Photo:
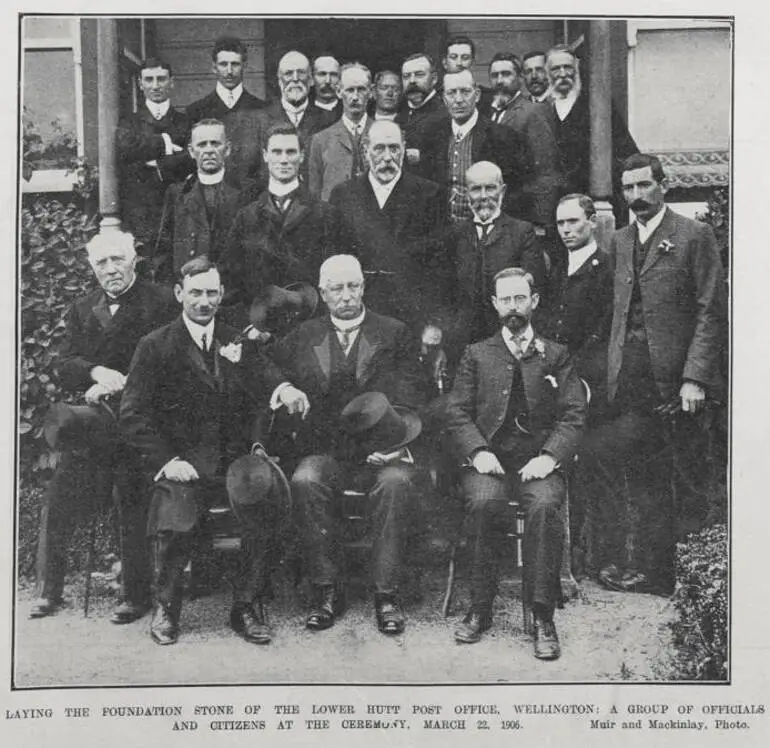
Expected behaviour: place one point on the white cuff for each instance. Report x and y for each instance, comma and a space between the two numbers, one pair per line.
167, 144
162, 472
275, 401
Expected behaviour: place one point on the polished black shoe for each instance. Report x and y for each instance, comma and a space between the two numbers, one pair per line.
44, 606
328, 608
546, 640
250, 623
475, 623
390, 617
163, 626
128, 612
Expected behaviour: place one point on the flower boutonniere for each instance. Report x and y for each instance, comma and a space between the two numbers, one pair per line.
537, 344
666, 246
595, 262
551, 379
232, 352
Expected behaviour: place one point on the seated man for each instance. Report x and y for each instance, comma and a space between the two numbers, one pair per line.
192, 396
102, 331
515, 415
331, 361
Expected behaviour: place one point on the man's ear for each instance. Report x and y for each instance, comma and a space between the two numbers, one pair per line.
228, 148
535, 299
178, 292
664, 185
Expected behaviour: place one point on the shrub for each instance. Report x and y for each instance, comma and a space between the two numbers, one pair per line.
700, 599
717, 216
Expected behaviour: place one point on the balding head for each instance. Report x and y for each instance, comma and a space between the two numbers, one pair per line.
485, 190
294, 77
112, 258
484, 171
341, 282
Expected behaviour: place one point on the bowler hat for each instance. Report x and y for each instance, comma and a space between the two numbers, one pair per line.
279, 309
68, 426
256, 479
379, 426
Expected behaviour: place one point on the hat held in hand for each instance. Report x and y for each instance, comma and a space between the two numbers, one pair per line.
279, 309
379, 426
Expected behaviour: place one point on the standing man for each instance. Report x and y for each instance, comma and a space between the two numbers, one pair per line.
326, 76
336, 154
536, 77
515, 416
190, 405
233, 105
387, 95
282, 237
152, 154
668, 333
331, 361
510, 108
198, 213
454, 144
459, 55
482, 247
102, 331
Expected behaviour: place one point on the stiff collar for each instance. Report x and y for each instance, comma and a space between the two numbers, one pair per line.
646, 230
328, 106
281, 189
290, 109
159, 111
578, 257
197, 331
489, 220
380, 117
424, 101
343, 325
211, 179
564, 104
229, 98
116, 299
518, 344
383, 191
351, 126
461, 131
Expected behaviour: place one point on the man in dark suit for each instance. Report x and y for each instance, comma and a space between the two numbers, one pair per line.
535, 77
508, 107
332, 360
193, 392
336, 153
515, 416
102, 330
233, 105
199, 212
581, 295
570, 116
456, 143
152, 154
326, 77
478, 249
282, 237
667, 338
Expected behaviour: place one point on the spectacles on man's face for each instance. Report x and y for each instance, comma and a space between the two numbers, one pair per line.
517, 300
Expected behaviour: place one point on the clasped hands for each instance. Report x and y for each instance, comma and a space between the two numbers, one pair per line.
486, 463
106, 382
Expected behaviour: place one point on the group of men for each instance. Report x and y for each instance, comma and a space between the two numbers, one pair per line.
461, 215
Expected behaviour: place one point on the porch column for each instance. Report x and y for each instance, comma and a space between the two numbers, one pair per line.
600, 113
107, 83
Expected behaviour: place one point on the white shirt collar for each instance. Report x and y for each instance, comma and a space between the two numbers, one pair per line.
489, 220
564, 104
158, 110
327, 105
116, 299
197, 331
279, 189
351, 126
578, 257
646, 231
523, 340
425, 100
228, 95
510, 101
289, 108
463, 130
544, 96
346, 324
204, 178
382, 191
378, 116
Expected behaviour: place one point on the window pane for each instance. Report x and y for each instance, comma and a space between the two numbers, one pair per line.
58, 27
49, 108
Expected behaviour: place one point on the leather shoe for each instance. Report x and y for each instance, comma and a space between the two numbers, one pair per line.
250, 623
163, 627
475, 623
43, 606
328, 608
390, 617
128, 612
546, 640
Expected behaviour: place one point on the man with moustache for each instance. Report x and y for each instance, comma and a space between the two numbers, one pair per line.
151, 148
199, 212
535, 77
466, 138
101, 332
331, 361
459, 55
336, 154
510, 108
326, 76
668, 334
190, 407
480, 248
514, 417
387, 95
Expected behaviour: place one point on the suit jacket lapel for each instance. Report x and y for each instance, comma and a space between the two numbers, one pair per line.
367, 347
196, 205
344, 137
664, 231
297, 211
397, 206
101, 311
193, 355
323, 354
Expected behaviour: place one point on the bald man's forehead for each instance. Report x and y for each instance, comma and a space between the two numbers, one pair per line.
458, 79
293, 60
354, 76
484, 175
326, 65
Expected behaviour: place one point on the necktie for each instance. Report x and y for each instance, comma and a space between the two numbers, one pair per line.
204, 343
485, 230
230, 99
346, 337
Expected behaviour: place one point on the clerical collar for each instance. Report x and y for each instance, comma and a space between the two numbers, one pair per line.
383, 191
352, 127
216, 178
328, 106
159, 111
385, 117
290, 109
522, 339
116, 299
489, 220
198, 331
229, 97
461, 131
424, 102
577, 257
646, 230
348, 324
280, 189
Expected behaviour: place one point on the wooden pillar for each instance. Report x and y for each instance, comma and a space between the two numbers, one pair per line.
600, 117
109, 103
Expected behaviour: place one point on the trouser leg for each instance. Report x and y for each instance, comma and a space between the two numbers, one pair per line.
132, 495
171, 553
